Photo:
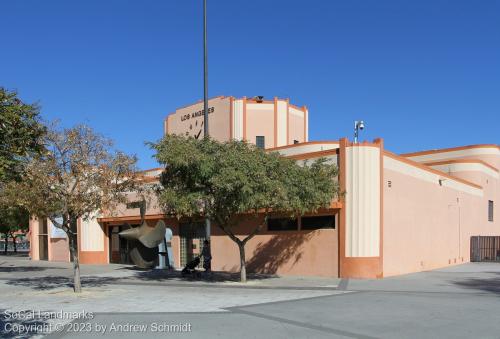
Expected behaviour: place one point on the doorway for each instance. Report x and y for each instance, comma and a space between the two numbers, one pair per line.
130, 252
43, 239
192, 235
118, 246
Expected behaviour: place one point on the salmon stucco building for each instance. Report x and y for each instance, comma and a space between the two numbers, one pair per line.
399, 214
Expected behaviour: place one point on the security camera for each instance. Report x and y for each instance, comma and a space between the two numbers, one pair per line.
358, 126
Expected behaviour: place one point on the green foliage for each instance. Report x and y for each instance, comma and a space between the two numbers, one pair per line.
225, 180
236, 177
20, 134
12, 219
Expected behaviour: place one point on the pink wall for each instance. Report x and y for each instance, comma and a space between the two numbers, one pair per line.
121, 210
34, 249
256, 118
490, 185
296, 129
299, 253
219, 120
490, 159
58, 250
260, 122
428, 226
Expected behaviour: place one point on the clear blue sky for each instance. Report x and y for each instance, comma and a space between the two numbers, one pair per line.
422, 74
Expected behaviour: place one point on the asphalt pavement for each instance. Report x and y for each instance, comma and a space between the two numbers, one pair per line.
456, 302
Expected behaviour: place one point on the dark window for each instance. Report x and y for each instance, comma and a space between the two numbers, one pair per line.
43, 239
317, 222
260, 141
43, 229
282, 224
295, 142
490, 210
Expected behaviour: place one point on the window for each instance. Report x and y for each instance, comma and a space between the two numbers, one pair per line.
42, 224
282, 224
317, 222
260, 141
490, 210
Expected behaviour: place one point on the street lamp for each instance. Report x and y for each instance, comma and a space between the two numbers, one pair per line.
205, 95
205, 71
358, 125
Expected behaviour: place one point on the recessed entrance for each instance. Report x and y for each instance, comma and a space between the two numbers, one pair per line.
130, 252
192, 236
43, 240
118, 247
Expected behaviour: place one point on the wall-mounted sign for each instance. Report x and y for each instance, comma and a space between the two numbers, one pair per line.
56, 232
196, 114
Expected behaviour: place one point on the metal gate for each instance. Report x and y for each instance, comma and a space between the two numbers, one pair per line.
192, 236
485, 248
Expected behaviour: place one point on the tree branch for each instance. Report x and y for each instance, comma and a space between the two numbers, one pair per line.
230, 234
257, 229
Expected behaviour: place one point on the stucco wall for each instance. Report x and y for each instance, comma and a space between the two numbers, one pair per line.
309, 147
296, 125
237, 119
283, 253
488, 153
260, 121
58, 246
58, 250
428, 225
34, 249
281, 122
121, 210
188, 120
278, 121
93, 246
362, 199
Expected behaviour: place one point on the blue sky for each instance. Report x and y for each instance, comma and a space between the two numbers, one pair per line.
422, 74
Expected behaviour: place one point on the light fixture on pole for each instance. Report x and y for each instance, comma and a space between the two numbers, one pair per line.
205, 71
358, 125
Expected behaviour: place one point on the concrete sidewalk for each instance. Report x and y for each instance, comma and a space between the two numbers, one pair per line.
55, 273
455, 302
47, 287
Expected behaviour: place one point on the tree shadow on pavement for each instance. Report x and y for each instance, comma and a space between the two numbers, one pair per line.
490, 285
200, 275
22, 254
52, 282
9, 269
27, 327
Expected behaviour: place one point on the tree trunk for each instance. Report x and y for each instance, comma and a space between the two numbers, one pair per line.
243, 267
6, 243
14, 243
77, 285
